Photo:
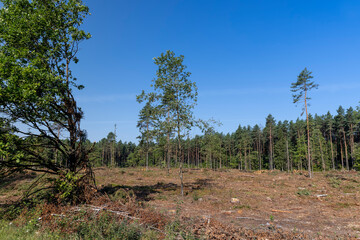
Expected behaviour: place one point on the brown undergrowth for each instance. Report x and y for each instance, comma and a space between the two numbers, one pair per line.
270, 205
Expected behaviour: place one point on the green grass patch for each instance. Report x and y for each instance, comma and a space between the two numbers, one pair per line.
335, 182
303, 192
242, 207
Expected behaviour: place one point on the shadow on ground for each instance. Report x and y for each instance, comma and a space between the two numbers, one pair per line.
6, 181
143, 192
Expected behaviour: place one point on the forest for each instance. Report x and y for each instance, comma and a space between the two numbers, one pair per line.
183, 178
334, 142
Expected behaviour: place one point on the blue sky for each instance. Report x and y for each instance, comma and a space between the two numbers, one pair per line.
243, 55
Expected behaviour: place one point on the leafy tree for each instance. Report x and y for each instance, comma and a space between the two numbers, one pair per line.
38, 42
300, 89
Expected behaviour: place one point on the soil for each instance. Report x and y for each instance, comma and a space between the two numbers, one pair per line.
326, 206
232, 204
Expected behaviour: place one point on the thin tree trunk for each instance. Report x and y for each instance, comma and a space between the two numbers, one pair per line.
332, 151
249, 158
245, 160
352, 144
342, 157
168, 144
346, 153
322, 156
188, 157
240, 167
287, 155
308, 138
270, 148
147, 147
260, 150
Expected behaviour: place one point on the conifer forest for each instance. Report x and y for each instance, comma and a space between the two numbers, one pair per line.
184, 177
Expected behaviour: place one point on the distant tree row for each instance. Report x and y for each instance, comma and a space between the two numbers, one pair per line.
109, 152
282, 145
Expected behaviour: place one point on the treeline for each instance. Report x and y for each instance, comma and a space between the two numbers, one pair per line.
282, 145
109, 152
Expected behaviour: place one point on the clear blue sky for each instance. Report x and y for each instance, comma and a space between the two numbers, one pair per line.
243, 55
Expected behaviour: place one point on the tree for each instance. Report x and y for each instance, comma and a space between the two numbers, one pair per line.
351, 121
300, 89
270, 123
175, 96
257, 135
340, 122
111, 140
38, 42
147, 121
329, 122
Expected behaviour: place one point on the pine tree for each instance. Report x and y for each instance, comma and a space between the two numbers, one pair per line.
300, 89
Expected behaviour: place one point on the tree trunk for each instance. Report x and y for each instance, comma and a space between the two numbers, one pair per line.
249, 158
287, 155
270, 148
245, 160
181, 164
352, 144
147, 147
168, 144
308, 138
260, 153
346, 153
188, 156
342, 157
322, 156
332, 151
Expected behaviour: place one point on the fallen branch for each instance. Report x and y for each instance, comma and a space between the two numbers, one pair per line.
256, 219
246, 176
281, 211
321, 195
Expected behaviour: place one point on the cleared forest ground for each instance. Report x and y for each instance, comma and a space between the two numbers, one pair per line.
266, 205
325, 206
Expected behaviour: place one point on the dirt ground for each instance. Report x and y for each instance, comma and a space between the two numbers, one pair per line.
326, 206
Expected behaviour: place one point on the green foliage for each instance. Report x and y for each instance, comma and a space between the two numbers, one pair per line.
122, 195
302, 86
9, 231
67, 186
303, 192
107, 227
39, 40
195, 196
335, 182
103, 226
357, 157
242, 207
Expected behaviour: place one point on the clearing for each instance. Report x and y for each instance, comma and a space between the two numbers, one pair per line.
325, 207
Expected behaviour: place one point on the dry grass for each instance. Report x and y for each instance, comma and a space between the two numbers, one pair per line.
327, 205
272, 205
